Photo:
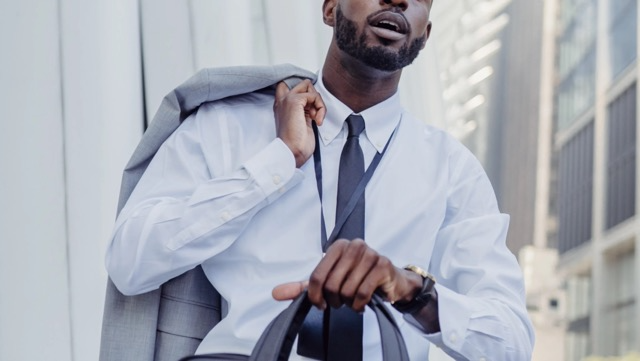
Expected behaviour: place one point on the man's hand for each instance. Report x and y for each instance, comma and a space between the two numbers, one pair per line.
294, 111
349, 274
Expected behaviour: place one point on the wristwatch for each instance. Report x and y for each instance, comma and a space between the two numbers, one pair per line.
426, 294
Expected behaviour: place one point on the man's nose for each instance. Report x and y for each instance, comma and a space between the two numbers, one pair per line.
402, 4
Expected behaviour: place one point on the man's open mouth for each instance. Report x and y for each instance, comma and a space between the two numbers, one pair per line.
388, 25
390, 20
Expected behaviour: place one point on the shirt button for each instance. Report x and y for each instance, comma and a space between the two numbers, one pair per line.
453, 337
225, 216
276, 179
482, 359
281, 190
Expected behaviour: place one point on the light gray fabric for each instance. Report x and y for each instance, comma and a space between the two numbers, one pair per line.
170, 322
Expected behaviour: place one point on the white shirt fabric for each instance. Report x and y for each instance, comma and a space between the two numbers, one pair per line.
223, 192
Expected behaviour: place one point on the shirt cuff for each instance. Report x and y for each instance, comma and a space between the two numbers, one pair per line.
454, 314
273, 168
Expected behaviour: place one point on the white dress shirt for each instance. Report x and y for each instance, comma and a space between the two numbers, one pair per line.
223, 192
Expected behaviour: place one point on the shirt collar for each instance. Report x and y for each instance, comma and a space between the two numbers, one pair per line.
380, 120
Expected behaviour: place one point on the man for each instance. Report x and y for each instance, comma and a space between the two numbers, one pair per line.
246, 189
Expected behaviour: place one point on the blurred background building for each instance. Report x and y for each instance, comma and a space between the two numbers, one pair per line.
543, 92
497, 73
595, 172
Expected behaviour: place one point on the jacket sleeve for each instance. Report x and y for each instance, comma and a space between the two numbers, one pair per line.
481, 301
185, 210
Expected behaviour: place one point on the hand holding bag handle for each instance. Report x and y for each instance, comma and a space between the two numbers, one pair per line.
277, 339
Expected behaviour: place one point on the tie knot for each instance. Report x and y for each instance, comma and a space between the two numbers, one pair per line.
355, 124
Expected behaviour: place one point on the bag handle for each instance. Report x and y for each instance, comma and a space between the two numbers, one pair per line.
277, 339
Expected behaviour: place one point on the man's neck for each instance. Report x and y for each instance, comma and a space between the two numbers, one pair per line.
357, 85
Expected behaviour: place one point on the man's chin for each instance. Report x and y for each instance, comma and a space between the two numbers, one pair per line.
381, 57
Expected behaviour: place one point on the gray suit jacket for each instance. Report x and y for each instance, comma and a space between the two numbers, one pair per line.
170, 322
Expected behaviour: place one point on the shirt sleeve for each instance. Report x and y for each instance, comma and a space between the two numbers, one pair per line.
180, 214
481, 300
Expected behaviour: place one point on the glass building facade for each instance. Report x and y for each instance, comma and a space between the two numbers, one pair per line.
621, 158
595, 171
622, 34
579, 306
575, 190
620, 305
576, 60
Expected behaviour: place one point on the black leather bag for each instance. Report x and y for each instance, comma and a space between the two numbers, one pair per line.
277, 339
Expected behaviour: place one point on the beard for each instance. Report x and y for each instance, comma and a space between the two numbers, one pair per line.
378, 57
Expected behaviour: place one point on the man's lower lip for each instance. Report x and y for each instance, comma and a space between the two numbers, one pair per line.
387, 34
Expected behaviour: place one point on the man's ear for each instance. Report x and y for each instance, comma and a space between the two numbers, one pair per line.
328, 12
428, 34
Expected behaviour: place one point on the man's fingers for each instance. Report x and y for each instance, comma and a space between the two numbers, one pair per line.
317, 104
304, 86
352, 288
307, 95
349, 273
309, 85
321, 272
368, 286
335, 293
281, 90
314, 106
320, 113
289, 291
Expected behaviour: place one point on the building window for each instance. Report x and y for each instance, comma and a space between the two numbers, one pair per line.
621, 304
579, 296
621, 158
575, 190
576, 60
623, 24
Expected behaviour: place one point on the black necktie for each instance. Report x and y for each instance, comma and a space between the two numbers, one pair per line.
345, 325
342, 334
350, 173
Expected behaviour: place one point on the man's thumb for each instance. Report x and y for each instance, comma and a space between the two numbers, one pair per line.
289, 291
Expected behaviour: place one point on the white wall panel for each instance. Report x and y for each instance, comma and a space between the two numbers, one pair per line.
421, 88
34, 303
294, 39
167, 48
222, 33
102, 84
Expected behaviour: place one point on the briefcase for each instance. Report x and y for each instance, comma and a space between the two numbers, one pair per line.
276, 341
